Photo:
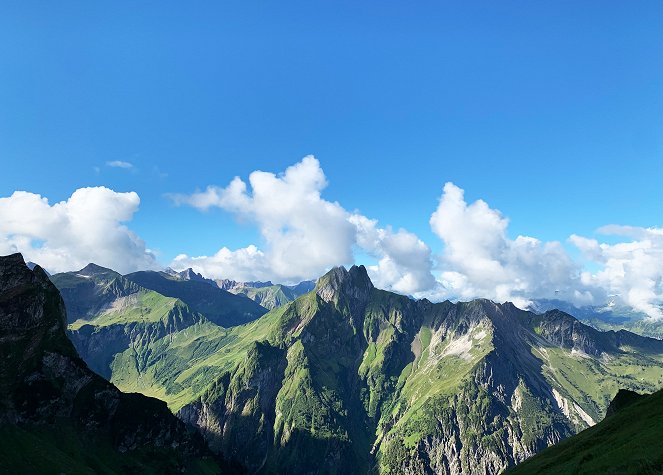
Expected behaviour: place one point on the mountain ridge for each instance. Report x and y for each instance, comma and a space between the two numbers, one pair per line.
371, 352
45, 388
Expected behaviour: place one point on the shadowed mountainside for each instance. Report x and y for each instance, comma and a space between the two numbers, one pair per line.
58, 416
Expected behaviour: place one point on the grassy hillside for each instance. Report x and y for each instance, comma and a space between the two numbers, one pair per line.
219, 306
627, 442
349, 371
63, 449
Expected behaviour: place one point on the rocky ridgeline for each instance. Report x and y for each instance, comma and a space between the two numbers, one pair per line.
355, 379
43, 382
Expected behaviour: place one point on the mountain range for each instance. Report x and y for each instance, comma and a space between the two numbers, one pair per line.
348, 378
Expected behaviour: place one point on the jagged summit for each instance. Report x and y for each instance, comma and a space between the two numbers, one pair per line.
12, 267
33, 305
354, 283
190, 274
45, 385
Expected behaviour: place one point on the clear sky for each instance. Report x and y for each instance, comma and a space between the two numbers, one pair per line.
551, 112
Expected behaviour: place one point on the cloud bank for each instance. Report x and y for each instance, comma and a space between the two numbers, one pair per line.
88, 227
631, 271
303, 235
479, 259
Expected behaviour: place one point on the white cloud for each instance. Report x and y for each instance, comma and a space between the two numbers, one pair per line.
404, 260
304, 234
119, 164
70, 234
631, 271
480, 260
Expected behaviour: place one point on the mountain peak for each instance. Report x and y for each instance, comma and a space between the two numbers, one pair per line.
94, 269
339, 281
190, 274
15, 272
31, 306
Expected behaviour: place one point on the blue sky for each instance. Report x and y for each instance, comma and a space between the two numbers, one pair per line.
552, 112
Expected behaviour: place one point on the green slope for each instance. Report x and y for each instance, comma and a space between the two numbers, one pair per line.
626, 442
219, 306
63, 449
380, 382
91, 290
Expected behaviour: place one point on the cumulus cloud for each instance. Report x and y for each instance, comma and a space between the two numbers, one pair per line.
304, 234
480, 260
119, 164
631, 271
404, 263
88, 227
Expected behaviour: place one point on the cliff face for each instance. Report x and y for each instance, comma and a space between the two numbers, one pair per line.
45, 385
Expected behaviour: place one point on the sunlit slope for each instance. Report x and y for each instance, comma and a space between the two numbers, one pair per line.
626, 442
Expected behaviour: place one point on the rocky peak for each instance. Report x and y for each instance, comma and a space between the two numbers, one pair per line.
14, 272
44, 382
354, 284
190, 274
566, 331
29, 303
257, 284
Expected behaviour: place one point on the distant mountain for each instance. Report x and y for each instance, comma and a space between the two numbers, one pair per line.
274, 295
57, 416
31, 265
267, 294
115, 322
219, 306
92, 290
189, 274
628, 440
606, 317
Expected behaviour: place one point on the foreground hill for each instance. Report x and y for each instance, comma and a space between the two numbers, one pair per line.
626, 441
56, 415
